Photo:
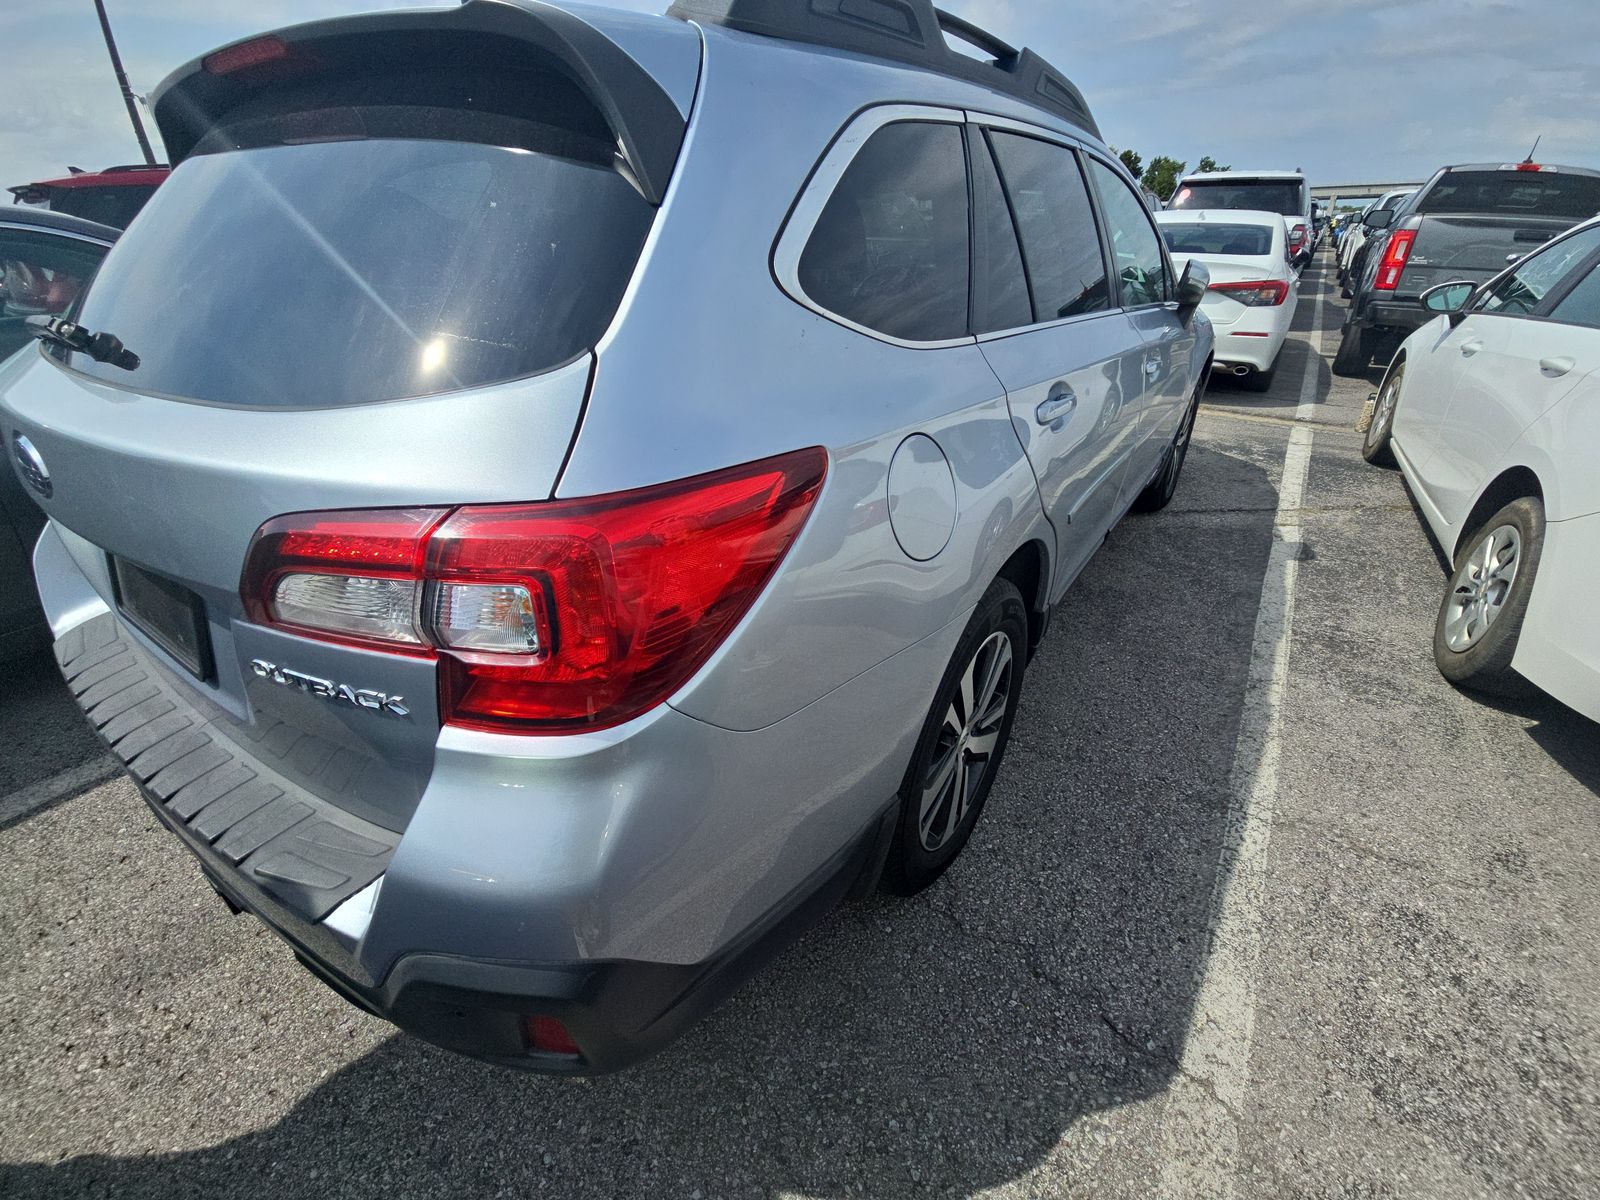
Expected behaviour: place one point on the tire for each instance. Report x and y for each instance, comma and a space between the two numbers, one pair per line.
1376, 447
1355, 351
1260, 381
934, 825
1475, 635
1159, 492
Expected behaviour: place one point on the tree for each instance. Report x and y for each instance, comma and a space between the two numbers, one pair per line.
1162, 175
1210, 164
1132, 160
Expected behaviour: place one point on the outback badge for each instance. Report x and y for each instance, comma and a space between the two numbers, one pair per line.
329, 690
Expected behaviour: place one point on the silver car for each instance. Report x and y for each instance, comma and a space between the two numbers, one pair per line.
545, 500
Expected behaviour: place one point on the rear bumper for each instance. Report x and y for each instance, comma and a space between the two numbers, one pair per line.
1404, 315
621, 882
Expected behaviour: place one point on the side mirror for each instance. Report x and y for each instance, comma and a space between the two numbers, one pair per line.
1381, 219
1192, 287
1451, 298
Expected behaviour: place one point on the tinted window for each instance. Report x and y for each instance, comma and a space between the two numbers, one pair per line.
1000, 285
338, 272
1141, 268
1284, 196
41, 274
1520, 291
890, 249
1527, 193
114, 206
1581, 306
1066, 266
1198, 238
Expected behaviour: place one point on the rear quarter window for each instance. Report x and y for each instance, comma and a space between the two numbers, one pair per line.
890, 249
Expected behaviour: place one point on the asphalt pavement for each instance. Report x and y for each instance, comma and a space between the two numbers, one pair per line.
1260, 906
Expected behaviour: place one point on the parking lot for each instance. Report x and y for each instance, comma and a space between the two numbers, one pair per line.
1260, 906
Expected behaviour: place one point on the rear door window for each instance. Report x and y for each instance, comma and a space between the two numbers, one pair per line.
41, 275
1000, 297
890, 250
1141, 266
1065, 260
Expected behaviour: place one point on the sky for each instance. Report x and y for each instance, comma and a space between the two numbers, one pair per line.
1347, 90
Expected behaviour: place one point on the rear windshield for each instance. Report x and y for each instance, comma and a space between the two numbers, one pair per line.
1262, 195
114, 205
1515, 193
340, 272
1207, 238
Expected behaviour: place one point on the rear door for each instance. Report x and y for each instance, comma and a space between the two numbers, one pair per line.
1145, 289
1530, 352
1073, 372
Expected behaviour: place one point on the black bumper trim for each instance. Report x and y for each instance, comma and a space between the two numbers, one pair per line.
302, 851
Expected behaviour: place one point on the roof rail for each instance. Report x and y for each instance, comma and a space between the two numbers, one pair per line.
906, 31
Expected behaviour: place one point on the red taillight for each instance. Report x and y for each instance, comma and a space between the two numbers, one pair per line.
1297, 235
546, 617
548, 1036
1260, 293
1394, 259
246, 54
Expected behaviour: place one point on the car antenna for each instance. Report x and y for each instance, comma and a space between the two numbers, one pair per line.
1536, 142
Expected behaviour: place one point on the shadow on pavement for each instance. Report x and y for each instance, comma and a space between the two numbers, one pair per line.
944, 1044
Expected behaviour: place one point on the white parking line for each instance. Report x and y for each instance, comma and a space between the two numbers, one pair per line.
1200, 1136
18, 804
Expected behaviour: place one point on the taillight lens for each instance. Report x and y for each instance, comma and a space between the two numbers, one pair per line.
1395, 257
1297, 235
546, 617
1255, 293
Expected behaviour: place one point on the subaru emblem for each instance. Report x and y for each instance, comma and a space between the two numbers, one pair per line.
31, 463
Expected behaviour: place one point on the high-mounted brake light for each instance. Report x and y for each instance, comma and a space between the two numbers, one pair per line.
1394, 261
1259, 293
547, 617
1529, 166
245, 54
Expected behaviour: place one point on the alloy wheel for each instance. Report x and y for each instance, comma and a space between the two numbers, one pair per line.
968, 738
1480, 588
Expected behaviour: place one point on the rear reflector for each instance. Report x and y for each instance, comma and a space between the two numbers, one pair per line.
1395, 256
246, 54
547, 1035
1258, 293
550, 617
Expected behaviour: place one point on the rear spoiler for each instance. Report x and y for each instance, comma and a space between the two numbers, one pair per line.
646, 123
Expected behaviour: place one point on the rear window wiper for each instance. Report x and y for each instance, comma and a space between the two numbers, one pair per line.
102, 347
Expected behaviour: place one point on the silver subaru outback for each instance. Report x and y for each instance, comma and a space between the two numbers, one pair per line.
545, 500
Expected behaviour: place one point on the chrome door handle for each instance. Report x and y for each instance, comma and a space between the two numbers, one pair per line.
1472, 347
1557, 367
1060, 404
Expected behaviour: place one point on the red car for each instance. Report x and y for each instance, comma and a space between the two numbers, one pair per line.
111, 197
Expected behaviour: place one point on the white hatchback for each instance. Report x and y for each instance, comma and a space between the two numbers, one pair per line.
1492, 411
1254, 286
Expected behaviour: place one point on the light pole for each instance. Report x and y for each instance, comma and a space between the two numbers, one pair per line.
122, 82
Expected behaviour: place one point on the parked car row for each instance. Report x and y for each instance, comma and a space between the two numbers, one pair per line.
1466, 223
535, 585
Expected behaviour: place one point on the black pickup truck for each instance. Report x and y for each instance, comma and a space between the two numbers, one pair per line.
1467, 222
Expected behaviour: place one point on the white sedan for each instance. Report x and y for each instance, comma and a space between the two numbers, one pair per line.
1492, 411
1254, 286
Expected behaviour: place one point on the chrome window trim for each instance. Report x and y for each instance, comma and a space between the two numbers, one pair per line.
807, 211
